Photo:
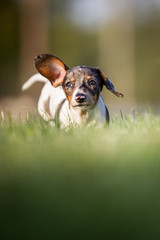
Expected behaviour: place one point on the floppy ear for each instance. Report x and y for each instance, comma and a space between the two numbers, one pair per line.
51, 67
109, 85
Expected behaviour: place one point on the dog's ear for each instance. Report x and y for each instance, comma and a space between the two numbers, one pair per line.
109, 85
51, 67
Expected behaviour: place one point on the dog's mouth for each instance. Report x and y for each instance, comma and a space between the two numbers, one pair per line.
82, 106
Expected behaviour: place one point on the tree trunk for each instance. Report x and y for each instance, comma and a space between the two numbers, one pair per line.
33, 34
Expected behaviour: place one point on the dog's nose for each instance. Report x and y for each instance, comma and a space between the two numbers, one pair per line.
80, 97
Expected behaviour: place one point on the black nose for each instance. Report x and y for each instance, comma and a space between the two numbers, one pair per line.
80, 97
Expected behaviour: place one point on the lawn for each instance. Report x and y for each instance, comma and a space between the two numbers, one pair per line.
84, 183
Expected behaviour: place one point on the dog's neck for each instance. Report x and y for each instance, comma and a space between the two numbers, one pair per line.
81, 115
84, 114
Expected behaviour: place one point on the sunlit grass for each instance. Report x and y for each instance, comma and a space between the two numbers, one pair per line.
83, 183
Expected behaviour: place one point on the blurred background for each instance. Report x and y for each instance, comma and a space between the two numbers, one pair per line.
121, 37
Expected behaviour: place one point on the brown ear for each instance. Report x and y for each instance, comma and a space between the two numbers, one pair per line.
109, 85
51, 67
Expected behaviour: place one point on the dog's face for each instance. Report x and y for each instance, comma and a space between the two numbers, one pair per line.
82, 85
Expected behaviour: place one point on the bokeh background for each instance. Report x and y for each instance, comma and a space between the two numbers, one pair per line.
122, 37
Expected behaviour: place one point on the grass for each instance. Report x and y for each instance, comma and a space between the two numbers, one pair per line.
80, 184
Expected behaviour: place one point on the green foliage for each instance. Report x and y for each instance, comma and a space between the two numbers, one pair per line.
83, 183
9, 47
147, 60
73, 45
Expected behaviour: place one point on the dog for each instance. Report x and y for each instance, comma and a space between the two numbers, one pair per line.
70, 95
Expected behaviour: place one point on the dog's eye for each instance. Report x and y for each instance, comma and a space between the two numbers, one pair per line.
91, 83
69, 84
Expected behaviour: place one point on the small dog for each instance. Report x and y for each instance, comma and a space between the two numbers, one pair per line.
72, 95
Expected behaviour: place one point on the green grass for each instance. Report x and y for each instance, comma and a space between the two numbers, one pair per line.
83, 183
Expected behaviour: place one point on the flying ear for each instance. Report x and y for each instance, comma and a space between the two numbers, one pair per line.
109, 85
51, 67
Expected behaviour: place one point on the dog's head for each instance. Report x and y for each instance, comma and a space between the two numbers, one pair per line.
82, 85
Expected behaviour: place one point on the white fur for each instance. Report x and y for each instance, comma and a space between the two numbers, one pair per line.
52, 97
